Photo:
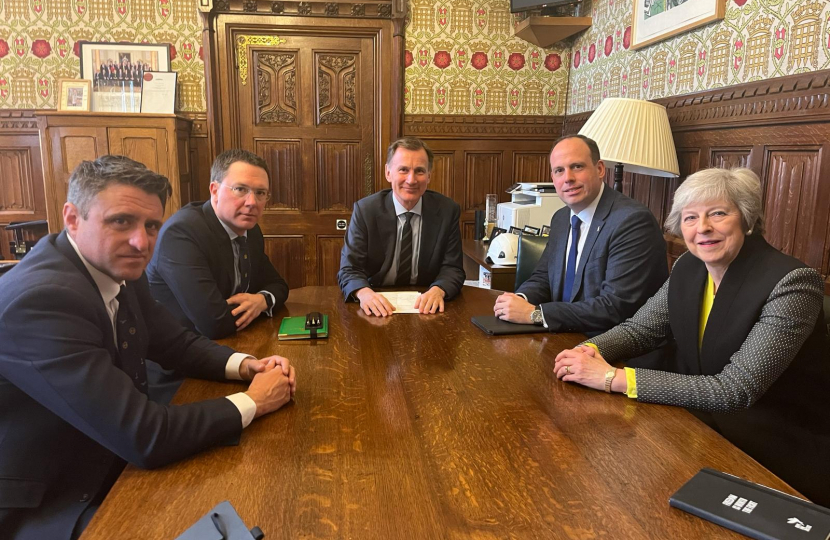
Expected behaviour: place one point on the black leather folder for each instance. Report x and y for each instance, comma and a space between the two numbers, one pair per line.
751, 509
493, 326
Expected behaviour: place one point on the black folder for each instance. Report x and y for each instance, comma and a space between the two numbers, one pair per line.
751, 509
493, 326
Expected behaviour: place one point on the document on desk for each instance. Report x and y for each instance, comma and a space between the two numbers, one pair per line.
402, 300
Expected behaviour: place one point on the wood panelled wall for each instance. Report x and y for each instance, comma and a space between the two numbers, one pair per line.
779, 128
477, 155
21, 175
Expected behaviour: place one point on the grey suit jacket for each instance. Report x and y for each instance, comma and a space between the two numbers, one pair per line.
370, 244
623, 262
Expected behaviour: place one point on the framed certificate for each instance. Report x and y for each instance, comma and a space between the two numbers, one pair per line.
158, 92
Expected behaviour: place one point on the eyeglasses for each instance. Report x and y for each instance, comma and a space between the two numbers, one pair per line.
241, 192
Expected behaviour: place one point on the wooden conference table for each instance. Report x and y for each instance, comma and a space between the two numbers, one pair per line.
422, 427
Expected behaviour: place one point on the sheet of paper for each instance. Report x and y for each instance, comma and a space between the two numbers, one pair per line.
402, 300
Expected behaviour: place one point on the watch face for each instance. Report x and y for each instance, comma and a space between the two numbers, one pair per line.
536, 316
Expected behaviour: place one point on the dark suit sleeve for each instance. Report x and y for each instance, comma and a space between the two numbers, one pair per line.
185, 269
267, 277
354, 257
635, 268
59, 359
451, 274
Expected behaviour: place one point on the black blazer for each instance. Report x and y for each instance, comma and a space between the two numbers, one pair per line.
788, 428
623, 263
192, 270
68, 414
370, 244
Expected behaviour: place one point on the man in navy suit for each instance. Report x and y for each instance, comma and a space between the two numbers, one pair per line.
605, 256
403, 236
76, 324
210, 268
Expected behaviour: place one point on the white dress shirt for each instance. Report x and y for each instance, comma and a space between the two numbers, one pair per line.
108, 288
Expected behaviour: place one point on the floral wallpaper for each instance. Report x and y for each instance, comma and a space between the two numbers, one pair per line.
462, 58
758, 39
39, 44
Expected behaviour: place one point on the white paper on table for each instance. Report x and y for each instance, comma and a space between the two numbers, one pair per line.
402, 300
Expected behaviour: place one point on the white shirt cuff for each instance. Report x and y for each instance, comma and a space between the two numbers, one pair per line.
246, 406
232, 367
268, 311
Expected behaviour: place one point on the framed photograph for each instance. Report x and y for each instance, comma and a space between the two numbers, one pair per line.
535, 231
117, 72
656, 20
74, 94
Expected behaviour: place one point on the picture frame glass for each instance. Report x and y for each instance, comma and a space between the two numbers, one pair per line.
116, 71
656, 20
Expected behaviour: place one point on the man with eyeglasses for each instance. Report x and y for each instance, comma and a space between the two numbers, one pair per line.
210, 268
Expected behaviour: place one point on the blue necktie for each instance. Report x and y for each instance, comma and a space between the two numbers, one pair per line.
570, 269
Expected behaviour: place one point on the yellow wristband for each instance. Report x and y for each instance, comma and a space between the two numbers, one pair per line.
631, 383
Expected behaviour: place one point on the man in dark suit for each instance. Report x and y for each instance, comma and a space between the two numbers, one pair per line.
210, 268
76, 323
605, 256
403, 236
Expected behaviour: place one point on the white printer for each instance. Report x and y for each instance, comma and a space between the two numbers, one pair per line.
530, 204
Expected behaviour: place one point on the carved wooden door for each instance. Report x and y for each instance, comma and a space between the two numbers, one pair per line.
307, 102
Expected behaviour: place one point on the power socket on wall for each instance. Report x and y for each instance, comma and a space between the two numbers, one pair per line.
341, 224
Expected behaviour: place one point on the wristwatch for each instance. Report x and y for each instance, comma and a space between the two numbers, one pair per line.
269, 302
609, 378
536, 316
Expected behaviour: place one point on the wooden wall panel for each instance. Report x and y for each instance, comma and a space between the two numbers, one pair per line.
482, 175
147, 146
729, 158
441, 179
531, 167
792, 191
284, 160
286, 254
338, 173
328, 258
21, 176
200, 157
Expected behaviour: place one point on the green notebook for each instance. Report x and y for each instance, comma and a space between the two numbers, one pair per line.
294, 328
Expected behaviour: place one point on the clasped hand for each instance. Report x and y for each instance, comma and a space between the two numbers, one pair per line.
582, 365
273, 382
513, 308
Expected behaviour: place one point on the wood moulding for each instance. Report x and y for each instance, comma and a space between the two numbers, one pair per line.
370, 10
482, 127
18, 120
794, 99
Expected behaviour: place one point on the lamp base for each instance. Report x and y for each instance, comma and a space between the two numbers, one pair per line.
618, 177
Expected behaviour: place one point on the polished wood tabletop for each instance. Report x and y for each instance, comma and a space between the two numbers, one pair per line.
423, 427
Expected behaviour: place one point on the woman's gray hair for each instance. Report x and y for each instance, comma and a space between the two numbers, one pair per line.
740, 186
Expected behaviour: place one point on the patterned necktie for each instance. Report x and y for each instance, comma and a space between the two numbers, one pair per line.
244, 264
128, 342
404, 275
570, 269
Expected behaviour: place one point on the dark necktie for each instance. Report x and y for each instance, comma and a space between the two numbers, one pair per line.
128, 342
570, 269
244, 264
405, 256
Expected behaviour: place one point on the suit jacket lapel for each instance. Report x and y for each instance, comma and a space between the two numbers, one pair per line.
558, 243
429, 221
223, 245
388, 229
598, 221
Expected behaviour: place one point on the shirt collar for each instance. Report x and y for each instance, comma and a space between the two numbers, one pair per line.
587, 215
399, 208
108, 287
230, 232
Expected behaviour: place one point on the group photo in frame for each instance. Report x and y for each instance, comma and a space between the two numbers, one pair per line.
116, 72
74, 94
657, 20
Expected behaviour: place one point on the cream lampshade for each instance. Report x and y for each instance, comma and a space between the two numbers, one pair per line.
634, 133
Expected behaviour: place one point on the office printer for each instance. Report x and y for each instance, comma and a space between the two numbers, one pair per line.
530, 204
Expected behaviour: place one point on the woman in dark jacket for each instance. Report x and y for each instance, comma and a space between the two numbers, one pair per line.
736, 332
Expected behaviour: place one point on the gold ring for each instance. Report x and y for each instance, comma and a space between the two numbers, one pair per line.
568, 370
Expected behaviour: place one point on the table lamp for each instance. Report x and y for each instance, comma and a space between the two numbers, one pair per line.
633, 133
